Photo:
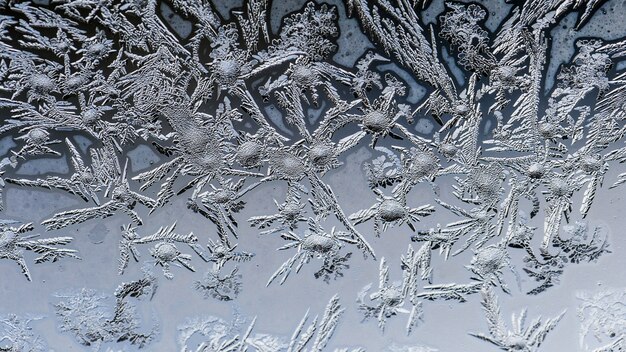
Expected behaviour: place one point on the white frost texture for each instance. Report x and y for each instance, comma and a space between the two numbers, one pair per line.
309, 176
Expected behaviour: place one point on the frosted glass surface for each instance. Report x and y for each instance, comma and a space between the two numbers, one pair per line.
387, 175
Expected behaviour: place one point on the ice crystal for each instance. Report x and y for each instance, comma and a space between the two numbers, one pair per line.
91, 319
84, 182
390, 299
121, 198
164, 251
520, 338
576, 247
602, 314
224, 288
13, 245
488, 263
461, 27
391, 210
220, 253
221, 336
18, 336
384, 170
290, 212
316, 243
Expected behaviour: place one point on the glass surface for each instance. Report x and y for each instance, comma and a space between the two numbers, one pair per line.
388, 175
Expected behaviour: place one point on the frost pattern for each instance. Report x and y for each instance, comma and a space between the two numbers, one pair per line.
13, 245
92, 321
18, 335
602, 315
220, 336
520, 337
518, 171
